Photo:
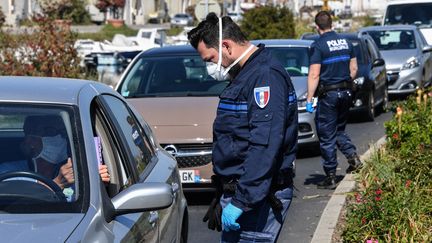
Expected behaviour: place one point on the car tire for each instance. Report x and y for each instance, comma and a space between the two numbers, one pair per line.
385, 102
370, 106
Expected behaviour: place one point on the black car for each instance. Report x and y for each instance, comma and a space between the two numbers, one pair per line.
373, 93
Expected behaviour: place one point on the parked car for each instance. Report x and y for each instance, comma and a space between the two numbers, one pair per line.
407, 55
371, 76
236, 17
294, 56
181, 19
414, 12
171, 88
86, 124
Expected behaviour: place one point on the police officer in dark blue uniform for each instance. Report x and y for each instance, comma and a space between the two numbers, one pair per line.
333, 67
254, 134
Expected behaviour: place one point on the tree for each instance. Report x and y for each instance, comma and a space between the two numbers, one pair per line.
268, 23
65, 9
47, 51
2, 18
112, 6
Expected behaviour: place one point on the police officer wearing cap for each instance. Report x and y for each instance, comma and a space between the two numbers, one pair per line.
254, 134
333, 66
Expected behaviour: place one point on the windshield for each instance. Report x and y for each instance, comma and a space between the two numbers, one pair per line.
394, 39
412, 13
294, 59
38, 166
176, 76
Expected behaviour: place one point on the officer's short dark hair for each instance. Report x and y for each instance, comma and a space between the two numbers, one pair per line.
208, 32
323, 20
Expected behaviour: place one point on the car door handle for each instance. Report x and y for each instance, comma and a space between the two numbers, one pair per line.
153, 217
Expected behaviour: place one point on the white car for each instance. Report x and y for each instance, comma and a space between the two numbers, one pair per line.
181, 19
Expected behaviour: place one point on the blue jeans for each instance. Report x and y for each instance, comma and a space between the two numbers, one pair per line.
330, 119
260, 224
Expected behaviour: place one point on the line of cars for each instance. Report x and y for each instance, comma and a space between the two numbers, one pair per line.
171, 87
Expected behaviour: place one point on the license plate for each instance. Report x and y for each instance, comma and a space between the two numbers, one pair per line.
187, 176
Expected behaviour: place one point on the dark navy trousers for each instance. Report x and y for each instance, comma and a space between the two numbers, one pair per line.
330, 119
261, 224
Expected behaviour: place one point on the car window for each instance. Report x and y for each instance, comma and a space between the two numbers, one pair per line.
108, 151
410, 13
394, 39
358, 51
175, 75
294, 59
38, 163
138, 145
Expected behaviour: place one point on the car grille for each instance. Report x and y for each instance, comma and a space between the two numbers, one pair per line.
190, 155
392, 76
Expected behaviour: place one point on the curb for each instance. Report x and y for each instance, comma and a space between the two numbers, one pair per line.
329, 218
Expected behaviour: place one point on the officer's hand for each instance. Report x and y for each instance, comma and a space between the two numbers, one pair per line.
309, 107
229, 216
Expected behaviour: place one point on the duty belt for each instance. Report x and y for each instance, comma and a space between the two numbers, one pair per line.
341, 85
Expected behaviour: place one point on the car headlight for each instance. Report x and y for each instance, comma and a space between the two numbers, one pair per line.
411, 63
301, 101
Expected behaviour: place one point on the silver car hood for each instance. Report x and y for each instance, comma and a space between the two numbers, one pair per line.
48, 227
394, 59
300, 85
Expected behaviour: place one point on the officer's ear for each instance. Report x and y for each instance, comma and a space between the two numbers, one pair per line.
227, 45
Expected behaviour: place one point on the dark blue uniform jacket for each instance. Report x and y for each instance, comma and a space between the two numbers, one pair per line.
255, 130
334, 53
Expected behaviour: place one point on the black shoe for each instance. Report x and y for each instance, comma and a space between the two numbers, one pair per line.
354, 164
328, 183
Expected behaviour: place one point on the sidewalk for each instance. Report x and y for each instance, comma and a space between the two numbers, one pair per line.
329, 218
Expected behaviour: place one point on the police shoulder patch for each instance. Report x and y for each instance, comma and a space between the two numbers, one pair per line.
262, 96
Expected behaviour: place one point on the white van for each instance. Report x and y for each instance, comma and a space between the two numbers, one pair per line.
415, 12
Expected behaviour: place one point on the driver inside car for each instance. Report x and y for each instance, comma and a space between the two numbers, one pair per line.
46, 150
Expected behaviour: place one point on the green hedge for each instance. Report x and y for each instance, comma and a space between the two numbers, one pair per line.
393, 201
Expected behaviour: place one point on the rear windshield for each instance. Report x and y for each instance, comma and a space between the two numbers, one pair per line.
175, 76
412, 13
394, 39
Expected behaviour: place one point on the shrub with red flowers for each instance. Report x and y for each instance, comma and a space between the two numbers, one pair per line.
113, 6
47, 51
393, 200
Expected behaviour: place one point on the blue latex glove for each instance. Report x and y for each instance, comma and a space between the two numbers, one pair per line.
229, 216
309, 107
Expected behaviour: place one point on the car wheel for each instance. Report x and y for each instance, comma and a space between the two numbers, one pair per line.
370, 106
385, 102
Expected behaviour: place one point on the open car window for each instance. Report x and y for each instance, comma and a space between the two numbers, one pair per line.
38, 163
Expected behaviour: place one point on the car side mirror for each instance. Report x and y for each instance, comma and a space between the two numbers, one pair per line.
378, 62
427, 49
143, 197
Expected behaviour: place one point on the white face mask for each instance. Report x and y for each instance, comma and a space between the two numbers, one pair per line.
221, 73
54, 149
214, 73
398, 17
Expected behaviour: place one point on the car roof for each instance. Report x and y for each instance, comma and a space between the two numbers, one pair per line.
389, 27
42, 89
169, 50
350, 36
283, 42
398, 2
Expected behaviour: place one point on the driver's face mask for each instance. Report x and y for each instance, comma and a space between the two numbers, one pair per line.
54, 149
398, 17
222, 73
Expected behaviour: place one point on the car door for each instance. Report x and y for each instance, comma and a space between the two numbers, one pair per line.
426, 57
378, 71
119, 142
